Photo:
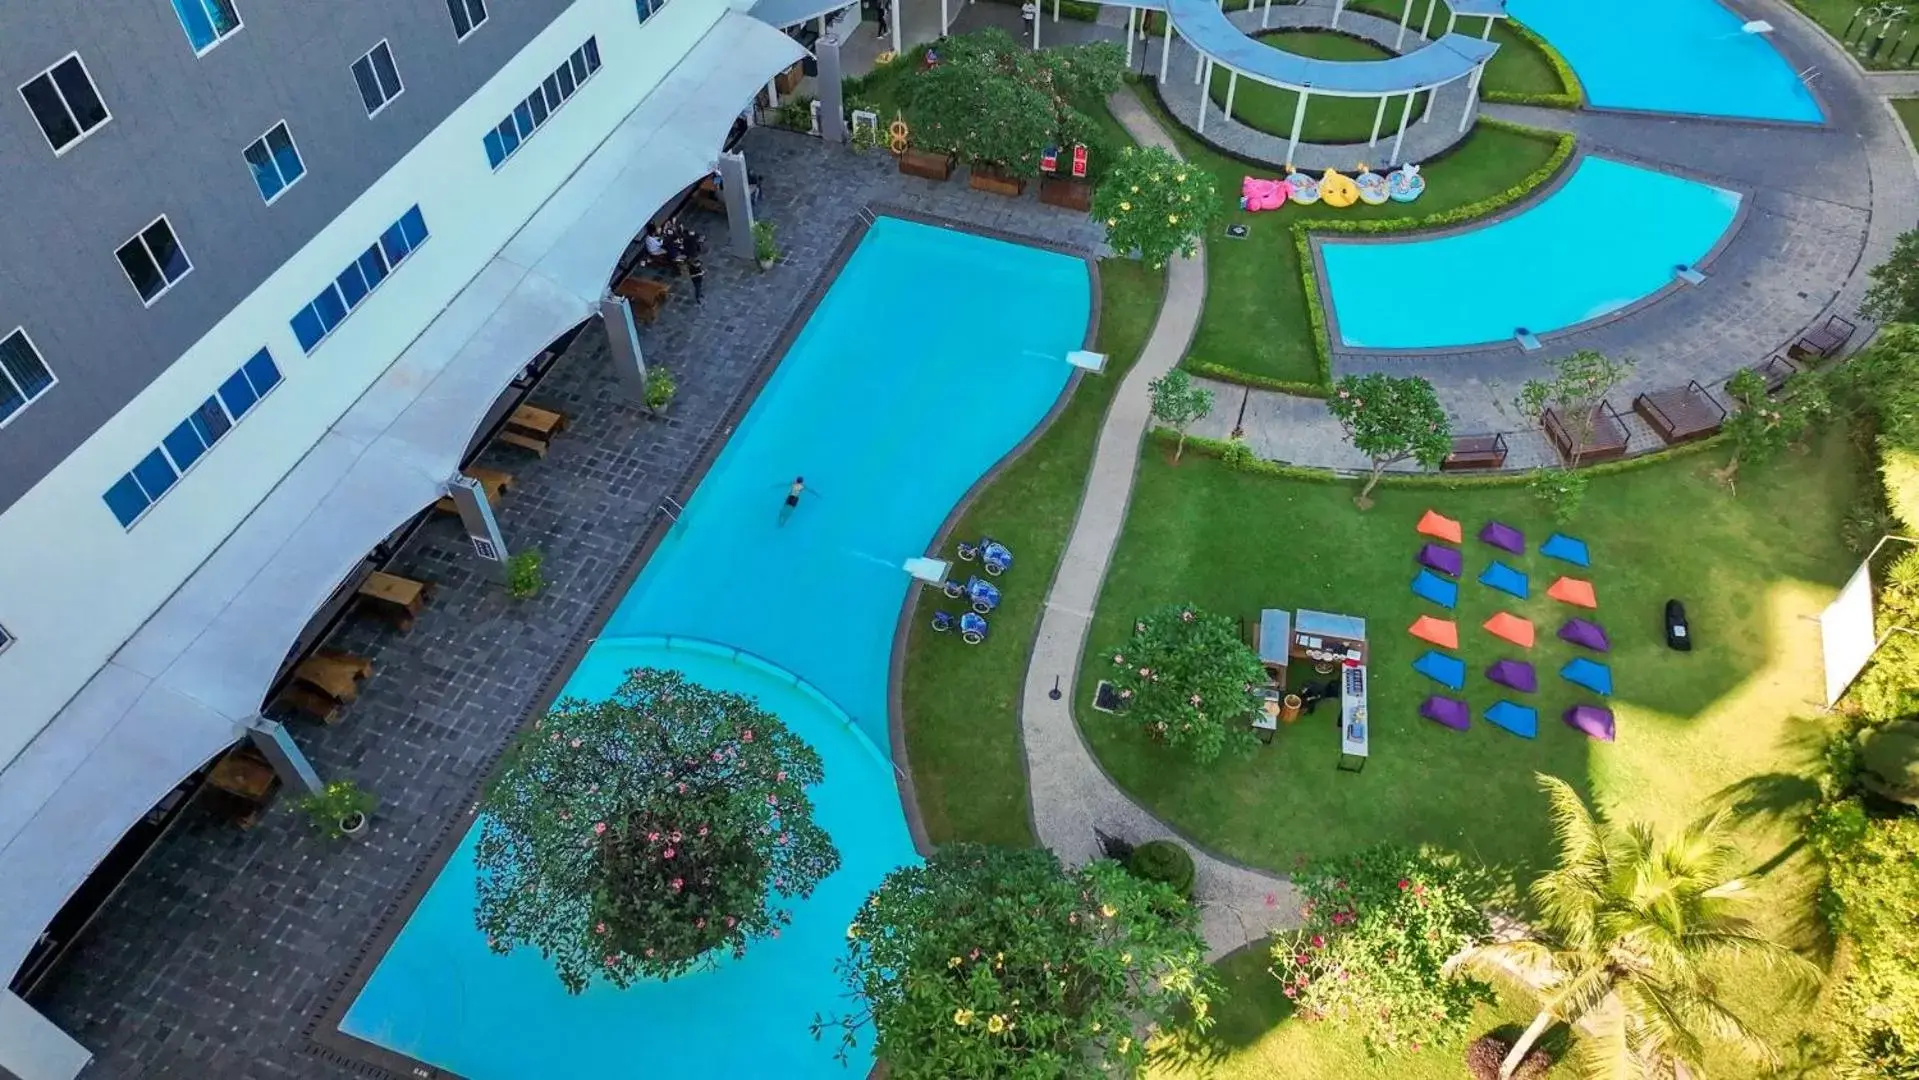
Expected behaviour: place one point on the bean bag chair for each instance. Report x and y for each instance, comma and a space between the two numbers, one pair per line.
1441, 632
1434, 589
1586, 634
1511, 628
1504, 537
1565, 549
1441, 558
1590, 674
1590, 720
1439, 527
1505, 579
1514, 674
1517, 719
1445, 710
1447, 671
1578, 593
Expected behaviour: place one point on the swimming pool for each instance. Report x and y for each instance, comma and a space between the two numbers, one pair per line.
1683, 56
1610, 235
933, 353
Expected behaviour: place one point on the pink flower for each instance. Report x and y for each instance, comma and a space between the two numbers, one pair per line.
678, 884
717, 756
779, 883
702, 830
1145, 671
780, 777
652, 837
1291, 993
681, 787
599, 828
776, 931
1302, 959
699, 923
1319, 942
611, 960
1272, 899
649, 954
555, 737
1404, 884
785, 838
575, 744
667, 854
599, 928
1119, 658
675, 837
747, 735
772, 800
1193, 701
731, 922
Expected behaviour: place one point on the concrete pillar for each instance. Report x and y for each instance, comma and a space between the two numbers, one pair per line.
1055, 10
832, 95
772, 94
1130, 14
1432, 99
623, 341
1299, 121
1487, 34
1266, 15
737, 193
1379, 118
1199, 69
289, 762
896, 26
1166, 46
32, 1047
1405, 16
1472, 97
1452, 20
1425, 28
1205, 89
1232, 87
1036, 14
1338, 6
476, 516
1405, 116
945, 21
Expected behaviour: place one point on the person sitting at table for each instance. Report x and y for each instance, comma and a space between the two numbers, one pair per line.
653, 244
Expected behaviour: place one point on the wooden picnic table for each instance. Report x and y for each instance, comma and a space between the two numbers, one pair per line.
532, 428
245, 777
397, 599
334, 673
308, 702
494, 482
646, 295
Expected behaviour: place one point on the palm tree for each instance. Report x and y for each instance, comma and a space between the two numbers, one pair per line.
1628, 925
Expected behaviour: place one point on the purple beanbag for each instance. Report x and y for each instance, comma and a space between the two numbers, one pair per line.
1516, 674
1587, 633
1441, 558
1504, 537
1590, 720
1444, 710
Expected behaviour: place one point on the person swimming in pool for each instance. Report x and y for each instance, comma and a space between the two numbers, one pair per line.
793, 494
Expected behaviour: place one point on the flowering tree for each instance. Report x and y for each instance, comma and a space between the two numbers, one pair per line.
637, 837
1760, 427
1188, 678
998, 962
1177, 402
1391, 420
1155, 204
1894, 295
991, 99
1379, 927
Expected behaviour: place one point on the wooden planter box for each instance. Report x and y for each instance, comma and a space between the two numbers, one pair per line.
786, 80
1066, 192
927, 164
984, 177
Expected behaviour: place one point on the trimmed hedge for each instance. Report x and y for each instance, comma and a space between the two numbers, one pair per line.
1163, 860
1572, 98
1218, 448
1222, 373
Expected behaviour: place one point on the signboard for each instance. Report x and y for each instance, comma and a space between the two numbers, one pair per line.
1079, 162
1049, 159
1846, 633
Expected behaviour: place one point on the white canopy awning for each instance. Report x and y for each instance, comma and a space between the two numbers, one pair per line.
189, 680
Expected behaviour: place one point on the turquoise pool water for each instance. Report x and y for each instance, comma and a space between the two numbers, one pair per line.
930, 357
1683, 56
1610, 235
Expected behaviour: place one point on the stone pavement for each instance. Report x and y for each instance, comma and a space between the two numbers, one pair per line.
216, 954
1071, 794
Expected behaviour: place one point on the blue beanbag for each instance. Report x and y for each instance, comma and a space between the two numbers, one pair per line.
1565, 549
1447, 671
1505, 579
1517, 719
1590, 674
1434, 589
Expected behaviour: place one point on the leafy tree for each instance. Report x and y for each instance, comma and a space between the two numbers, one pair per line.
998, 962
1630, 924
1872, 897
1176, 402
1760, 426
641, 836
992, 100
1894, 295
1155, 204
1188, 678
1578, 387
1391, 420
1562, 489
1889, 761
1379, 926
1880, 384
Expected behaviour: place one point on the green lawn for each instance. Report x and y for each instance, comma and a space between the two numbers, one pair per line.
961, 705
1908, 110
1713, 727
1520, 66
1331, 120
1837, 15
1255, 320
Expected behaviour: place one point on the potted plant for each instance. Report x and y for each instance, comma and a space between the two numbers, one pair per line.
339, 809
764, 249
660, 388
523, 578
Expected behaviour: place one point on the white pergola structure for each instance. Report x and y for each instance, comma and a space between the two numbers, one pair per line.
1490, 10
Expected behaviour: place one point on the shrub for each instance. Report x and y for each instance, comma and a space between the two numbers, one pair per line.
332, 805
1166, 862
1872, 896
523, 578
1237, 455
660, 388
1562, 490
1487, 1053
1188, 678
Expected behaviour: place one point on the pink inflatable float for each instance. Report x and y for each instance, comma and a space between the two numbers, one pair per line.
1257, 194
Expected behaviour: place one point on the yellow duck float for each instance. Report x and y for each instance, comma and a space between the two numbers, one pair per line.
1337, 190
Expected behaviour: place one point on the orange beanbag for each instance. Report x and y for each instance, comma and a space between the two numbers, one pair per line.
1512, 628
1439, 527
1441, 632
1570, 590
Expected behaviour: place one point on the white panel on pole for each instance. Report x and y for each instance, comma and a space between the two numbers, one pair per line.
1846, 633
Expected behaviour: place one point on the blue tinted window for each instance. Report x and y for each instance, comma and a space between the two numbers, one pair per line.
185, 444
284, 154
262, 372
565, 73
509, 136
126, 500
155, 474
415, 225
373, 266
592, 54
330, 308
237, 394
352, 286
523, 116
495, 150
307, 329
393, 243
536, 101
211, 421
193, 16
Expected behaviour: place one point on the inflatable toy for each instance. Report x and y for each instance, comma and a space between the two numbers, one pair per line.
1405, 184
1372, 186
1337, 191
1256, 194
1305, 188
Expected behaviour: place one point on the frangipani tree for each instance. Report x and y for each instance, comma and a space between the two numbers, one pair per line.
992, 100
648, 834
1391, 420
1154, 203
1178, 402
1186, 676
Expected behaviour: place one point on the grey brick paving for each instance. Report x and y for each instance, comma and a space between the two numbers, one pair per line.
212, 959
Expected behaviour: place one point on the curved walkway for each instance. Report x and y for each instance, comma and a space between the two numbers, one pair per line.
1071, 794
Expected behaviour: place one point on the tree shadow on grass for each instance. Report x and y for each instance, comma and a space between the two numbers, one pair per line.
1250, 1005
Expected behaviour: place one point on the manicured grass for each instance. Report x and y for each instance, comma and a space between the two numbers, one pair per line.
1255, 319
1520, 66
961, 704
1328, 119
1908, 110
1837, 15
1714, 727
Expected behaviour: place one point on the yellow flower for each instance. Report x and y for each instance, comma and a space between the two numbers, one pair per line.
996, 1023
1185, 198
1125, 958
1095, 1025
953, 962
1179, 178
1155, 178
1172, 219
1108, 910
1125, 1043
962, 1017
1112, 221
1125, 206
852, 932
1135, 189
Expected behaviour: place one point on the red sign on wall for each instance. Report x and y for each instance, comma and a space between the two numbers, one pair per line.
1049, 159
1079, 161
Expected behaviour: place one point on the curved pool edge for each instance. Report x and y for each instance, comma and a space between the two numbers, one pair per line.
1517, 208
323, 1034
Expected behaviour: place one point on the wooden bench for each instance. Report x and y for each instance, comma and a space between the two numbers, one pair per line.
646, 295
1608, 440
532, 428
494, 482
245, 781
397, 599
1475, 452
1775, 372
308, 703
1823, 341
334, 673
1681, 414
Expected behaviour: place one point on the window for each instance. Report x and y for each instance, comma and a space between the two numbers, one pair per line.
187, 443
647, 8
275, 161
64, 102
378, 79
207, 22
154, 260
467, 16
545, 100
312, 323
6, 639
23, 375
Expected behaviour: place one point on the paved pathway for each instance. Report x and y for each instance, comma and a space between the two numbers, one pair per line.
1071, 795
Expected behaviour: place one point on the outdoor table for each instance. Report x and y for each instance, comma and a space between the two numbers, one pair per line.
534, 420
1272, 639
245, 776
646, 295
335, 674
492, 481
308, 702
397, 599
